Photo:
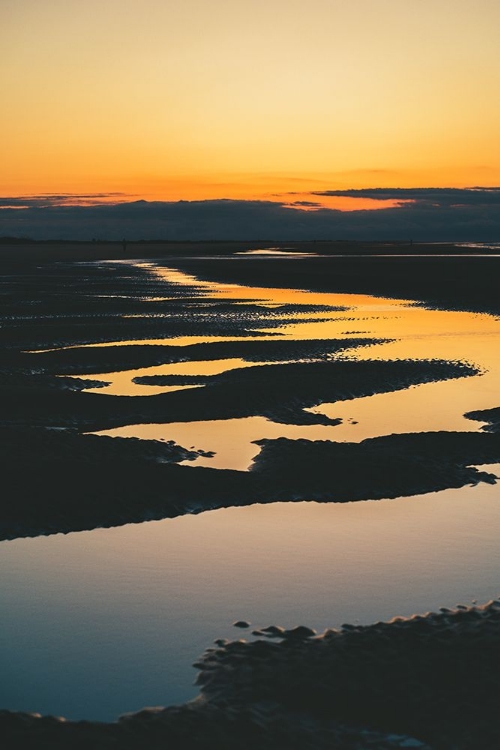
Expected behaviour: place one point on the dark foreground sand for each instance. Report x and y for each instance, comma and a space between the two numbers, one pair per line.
428, 681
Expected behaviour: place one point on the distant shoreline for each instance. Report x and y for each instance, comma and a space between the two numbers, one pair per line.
447, 275
82, 250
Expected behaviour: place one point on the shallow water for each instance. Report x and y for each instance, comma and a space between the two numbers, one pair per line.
101, 622
98, 623
414, 332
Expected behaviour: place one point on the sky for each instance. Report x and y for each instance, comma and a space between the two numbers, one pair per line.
261, 100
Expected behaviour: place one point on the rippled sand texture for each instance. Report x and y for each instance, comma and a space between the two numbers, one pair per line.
408, 332
282, 393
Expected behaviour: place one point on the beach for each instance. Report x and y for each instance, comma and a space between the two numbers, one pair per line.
148, 381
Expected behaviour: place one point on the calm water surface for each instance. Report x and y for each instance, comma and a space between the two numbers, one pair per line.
101, 622
97, 623
414, 332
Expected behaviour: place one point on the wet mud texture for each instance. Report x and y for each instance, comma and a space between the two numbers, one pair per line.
62, 480
430, 681
468, 282
280, 392
65, 304
435, 677
462, 283
113, 358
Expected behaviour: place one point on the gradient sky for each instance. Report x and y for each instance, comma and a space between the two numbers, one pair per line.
247, 99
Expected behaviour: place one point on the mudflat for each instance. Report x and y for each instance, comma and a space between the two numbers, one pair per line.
55, 313
76, 315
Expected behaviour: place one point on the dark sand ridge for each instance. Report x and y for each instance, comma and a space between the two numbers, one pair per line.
54, 334
487, 415
469, 282
17, 250
45, 323
56, 305
280, 392
123, 480
62, 481
461, 283
118, 483
435, 678
102, 359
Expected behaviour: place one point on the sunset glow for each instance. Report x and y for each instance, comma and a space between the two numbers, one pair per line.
230, 99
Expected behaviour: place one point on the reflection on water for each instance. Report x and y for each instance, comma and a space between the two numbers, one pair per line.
413, 332
276, 252
122, 383
97, 623
232, 440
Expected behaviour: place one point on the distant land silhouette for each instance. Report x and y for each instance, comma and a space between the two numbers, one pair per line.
423, 214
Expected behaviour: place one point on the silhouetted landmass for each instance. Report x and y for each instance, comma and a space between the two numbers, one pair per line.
444, 214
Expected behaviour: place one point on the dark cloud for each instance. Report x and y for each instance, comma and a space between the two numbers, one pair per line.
433, 214
305, 204
59, 199
437, 197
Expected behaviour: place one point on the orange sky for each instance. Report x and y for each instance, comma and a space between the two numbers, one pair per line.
237, 99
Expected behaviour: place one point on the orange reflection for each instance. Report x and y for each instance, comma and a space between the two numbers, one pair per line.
413, 332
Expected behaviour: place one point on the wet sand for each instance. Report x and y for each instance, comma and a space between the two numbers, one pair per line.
462, 283
427, 681
429, 272
54, 313
113, 481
